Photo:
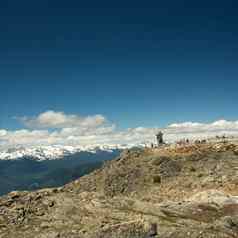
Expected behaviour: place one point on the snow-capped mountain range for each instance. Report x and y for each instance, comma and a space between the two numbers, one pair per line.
55, 151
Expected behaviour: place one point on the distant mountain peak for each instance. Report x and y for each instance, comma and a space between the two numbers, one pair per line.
56, 151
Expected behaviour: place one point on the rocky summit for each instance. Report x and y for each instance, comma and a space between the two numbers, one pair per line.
167, 192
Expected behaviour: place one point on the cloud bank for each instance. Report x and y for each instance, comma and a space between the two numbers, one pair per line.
52, 127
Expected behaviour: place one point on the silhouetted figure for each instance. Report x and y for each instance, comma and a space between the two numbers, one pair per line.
159, 137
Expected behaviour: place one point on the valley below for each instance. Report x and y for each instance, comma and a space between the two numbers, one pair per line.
30, 172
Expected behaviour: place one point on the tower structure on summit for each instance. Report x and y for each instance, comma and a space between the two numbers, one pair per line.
159, 137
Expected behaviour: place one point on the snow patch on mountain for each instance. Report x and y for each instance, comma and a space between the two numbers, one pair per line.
56, 151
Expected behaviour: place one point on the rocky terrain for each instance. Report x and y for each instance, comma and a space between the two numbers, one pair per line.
169, 192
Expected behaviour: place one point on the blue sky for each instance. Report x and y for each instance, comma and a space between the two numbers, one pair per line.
138, 63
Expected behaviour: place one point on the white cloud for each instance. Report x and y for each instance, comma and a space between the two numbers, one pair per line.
3, 132
59, 128
25, 137
52, 119
208, 127
201, 130
185, 125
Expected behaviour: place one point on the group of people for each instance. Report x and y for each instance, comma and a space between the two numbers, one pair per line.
185, 141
